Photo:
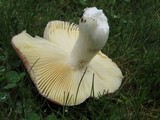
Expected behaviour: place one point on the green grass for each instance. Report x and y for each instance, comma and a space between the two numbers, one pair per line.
134, 44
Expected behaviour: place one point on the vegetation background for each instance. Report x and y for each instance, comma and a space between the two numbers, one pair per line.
134, 44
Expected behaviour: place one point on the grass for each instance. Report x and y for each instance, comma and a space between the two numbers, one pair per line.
134, 44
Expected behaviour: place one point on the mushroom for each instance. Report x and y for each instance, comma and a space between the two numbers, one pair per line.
67, 65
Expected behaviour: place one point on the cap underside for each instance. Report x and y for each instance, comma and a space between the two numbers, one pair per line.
46, 60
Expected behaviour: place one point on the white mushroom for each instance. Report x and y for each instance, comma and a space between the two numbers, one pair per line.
67, 66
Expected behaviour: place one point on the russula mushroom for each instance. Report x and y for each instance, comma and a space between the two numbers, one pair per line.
66, 65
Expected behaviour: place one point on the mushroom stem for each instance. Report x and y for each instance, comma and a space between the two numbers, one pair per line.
93, 34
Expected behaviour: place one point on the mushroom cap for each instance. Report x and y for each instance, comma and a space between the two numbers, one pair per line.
46, 60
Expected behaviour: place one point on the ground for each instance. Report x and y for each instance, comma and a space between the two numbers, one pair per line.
134, 44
